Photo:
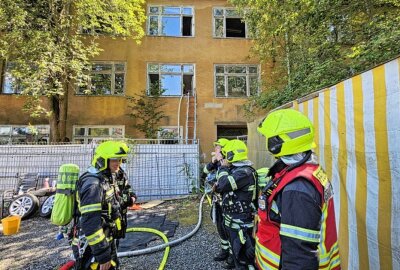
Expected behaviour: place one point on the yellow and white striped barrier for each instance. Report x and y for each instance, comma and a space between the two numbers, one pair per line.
357, 124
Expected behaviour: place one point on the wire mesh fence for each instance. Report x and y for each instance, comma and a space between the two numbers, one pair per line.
155, 170
159, 171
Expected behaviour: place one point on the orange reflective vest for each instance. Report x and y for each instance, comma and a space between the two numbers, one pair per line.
268, 242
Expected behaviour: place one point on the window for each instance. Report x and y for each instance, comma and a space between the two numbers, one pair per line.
228, 24
106, 78
232, 132
236, 80
169, 135
172, 79
10, 83
87, 134
24, 134
170, 21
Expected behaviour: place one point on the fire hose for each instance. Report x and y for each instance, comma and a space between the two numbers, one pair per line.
167, 244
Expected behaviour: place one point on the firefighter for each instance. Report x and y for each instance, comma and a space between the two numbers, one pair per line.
236, 182
296, 228
98, 218
211, 169
126, 197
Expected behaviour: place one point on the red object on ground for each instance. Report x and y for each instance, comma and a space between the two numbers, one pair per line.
69, 265
135, 207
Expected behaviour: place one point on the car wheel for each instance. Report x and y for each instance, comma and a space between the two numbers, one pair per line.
24, 205
47, 207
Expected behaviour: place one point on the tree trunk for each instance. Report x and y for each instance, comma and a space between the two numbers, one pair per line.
58, 118
54, 119
54, 133
63, 109
58, 106
62, 121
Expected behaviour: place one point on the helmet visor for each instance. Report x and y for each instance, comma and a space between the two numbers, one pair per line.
121, 160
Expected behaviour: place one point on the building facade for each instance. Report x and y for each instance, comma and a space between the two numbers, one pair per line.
199, 52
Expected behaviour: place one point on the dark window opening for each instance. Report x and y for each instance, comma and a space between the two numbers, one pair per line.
187, 84
187, 26
154, 84
235, 27
231, 131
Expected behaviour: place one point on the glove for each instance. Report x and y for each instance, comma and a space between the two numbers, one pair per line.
119, 230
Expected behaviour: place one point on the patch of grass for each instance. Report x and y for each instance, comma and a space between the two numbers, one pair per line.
186, 212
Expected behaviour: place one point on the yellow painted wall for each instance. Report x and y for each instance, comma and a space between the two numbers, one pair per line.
202, 50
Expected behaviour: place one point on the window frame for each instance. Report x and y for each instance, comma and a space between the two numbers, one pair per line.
160, 73
86, 135
10, 136
247, 74
224, 17
160, 15
231, 126
113, 72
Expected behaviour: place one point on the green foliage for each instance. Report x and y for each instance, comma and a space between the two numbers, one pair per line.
315, 44
43, 39
146, 111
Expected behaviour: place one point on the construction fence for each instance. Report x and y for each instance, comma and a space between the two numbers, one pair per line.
357, 131
155, 171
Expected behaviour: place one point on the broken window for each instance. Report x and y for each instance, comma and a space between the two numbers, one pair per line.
106, 78
170, 21
170, 79
236, 80
228, 23
232, 132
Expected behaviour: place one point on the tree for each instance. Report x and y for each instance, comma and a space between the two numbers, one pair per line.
49, 54
146, 111
316, 44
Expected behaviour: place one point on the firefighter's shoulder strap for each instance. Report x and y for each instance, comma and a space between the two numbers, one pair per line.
255, 188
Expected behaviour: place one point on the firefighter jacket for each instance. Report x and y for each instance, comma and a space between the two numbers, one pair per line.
236, 185
297, 229
98, 212
125, 190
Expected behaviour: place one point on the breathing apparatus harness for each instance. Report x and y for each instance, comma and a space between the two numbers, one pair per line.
273, 184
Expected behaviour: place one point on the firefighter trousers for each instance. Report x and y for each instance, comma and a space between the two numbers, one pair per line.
242, 244
83, 262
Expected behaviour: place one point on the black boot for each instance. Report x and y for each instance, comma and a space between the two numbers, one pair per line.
222, 255
229, 264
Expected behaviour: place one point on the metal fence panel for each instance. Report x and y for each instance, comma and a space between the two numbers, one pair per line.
155, 171
160, 171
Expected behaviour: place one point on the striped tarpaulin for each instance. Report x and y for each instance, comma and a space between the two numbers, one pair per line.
357, 127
